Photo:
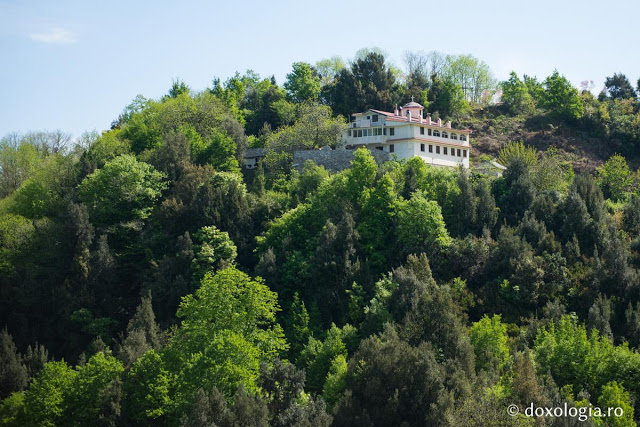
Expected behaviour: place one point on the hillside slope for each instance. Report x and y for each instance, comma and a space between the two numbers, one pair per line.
493, 128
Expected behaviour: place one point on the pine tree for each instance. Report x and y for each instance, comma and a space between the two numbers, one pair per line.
143, 334
465, 206
35, 358
297, 327
13, 373
486, 213
259, 180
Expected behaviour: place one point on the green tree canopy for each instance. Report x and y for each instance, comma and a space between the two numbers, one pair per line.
421, 227
314, 127
619, 87
303, 83
560, 98
515, 95
125, 189
369, 83
446, 97
615, 178
489, 340
471, 74
227, 328
214, 251
517, 150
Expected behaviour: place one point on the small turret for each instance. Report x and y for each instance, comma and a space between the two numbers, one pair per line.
414, 108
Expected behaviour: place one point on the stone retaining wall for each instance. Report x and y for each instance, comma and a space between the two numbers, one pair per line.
334, 160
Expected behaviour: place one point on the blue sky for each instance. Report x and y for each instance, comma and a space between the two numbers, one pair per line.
74, 65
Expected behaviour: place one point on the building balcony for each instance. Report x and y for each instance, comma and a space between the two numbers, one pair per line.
362, 140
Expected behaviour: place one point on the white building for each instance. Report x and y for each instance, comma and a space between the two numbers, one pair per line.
407, 133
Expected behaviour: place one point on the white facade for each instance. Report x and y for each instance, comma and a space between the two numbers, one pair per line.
407, 133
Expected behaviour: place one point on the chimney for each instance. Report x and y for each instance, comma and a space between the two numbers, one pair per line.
409, 116
421, 116
428, 118
396, 110
449, 124
439, 122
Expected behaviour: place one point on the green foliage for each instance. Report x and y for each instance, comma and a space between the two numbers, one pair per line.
214, 252
361, 174
329, 68
489, 340
614, 177
390, 382
123, 190
143, 334
369, 83
297, 327
75, 259
420, 226
447, 98
534, 87
45, 403
336, 381
219, 151
470, 74
19, 159
619, 87
106, 147
227, 328
318, 356
486, 211
10, 409
94, 392
310, 180
631, 216
550, 174
586, 361
147, 385
517, 150
612, 397
376, 228
250, 100
515, 95
13, 373
560, 98
42, 194
314, 127
147, 127
16, 232
303, 83
212, 409
95, 326
178, 87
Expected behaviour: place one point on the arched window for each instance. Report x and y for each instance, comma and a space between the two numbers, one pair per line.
445, 135
436, 133
463, 137
454, 136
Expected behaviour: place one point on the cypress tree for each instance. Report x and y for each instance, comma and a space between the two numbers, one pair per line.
13, 373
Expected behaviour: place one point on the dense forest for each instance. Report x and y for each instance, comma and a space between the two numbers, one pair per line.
148, 278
